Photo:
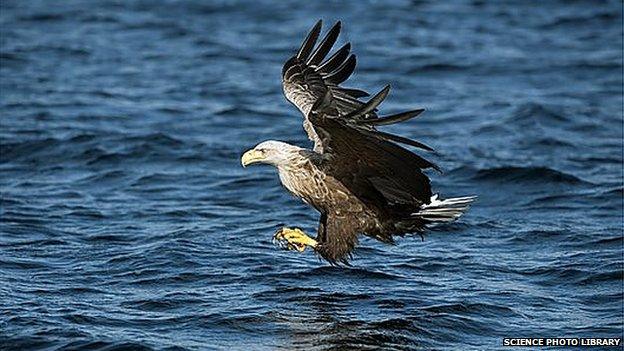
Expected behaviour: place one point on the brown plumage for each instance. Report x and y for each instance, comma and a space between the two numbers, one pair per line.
358, 178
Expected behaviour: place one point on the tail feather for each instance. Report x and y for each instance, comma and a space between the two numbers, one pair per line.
443, 211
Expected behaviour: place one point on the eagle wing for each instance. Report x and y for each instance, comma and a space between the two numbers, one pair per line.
373, 167
308, 77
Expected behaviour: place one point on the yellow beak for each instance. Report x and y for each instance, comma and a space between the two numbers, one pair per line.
251, 156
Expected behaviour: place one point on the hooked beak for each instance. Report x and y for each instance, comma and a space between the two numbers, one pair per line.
251, 156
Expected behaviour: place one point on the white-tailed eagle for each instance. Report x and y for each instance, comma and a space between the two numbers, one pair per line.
359, 178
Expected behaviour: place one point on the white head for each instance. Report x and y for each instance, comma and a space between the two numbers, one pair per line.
271, 152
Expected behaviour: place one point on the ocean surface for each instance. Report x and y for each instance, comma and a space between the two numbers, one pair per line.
127, 222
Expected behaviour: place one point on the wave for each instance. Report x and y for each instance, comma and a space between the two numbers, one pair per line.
44, 17
574, 21
80, 341
15, 151
24, 264
107, 238
479, 309
439, 67
156, 139
576, 200
81, 145
572, 275
101, 345
522, 175
540, 237
615, 275
12, 59
162, 304
527, 114
350, 273
108, 176
286, 291
156, 178
55, 49
615, 241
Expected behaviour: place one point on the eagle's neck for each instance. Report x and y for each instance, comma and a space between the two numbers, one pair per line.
297, 175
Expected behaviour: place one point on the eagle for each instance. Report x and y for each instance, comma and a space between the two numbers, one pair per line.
360, 179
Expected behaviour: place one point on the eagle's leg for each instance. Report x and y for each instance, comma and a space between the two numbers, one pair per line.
294, 239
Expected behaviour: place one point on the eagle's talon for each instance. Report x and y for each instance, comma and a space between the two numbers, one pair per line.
293, 239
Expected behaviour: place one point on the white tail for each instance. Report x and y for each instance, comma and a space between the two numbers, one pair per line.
443, 211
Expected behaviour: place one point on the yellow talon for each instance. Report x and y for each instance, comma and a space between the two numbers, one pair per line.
294, 239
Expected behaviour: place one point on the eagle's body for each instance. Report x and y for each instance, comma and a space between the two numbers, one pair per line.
305, 176
358, 178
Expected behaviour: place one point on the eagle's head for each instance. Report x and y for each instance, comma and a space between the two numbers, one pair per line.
272, 152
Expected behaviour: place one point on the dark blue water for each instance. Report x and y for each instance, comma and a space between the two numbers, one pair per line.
127, 221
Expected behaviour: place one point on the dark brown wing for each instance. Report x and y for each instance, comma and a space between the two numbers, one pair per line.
308, 77
368, 164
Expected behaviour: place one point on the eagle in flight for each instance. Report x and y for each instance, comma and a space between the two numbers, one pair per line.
359, 178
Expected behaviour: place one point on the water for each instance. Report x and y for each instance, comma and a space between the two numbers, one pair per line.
127, 221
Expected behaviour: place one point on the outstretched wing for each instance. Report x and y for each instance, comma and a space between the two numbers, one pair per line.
375, 169
308, 77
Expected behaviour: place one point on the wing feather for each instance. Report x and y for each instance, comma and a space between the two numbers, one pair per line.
396, 118
402, 140
355, 93
372, 104
326, 44
310, 40
335, 60
306, 79
343, 72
